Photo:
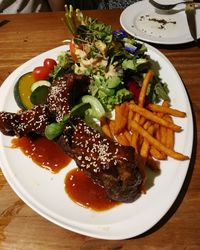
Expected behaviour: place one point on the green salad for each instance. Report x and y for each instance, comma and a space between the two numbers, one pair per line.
115, 62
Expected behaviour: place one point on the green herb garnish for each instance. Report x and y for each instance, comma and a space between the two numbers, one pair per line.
55, 129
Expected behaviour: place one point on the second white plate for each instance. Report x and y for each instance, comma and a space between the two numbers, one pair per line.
144, 22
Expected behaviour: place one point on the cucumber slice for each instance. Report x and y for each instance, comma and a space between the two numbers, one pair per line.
40, 83
97, 109
22, 91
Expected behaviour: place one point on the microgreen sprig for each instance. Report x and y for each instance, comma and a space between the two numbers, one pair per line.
55, 129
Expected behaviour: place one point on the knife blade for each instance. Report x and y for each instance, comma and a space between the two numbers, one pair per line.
190, 14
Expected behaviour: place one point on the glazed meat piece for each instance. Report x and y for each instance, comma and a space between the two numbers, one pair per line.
64, 92
108, 163
8, 121
24, 123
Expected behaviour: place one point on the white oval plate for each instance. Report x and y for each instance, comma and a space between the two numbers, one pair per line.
44, 192
139, 18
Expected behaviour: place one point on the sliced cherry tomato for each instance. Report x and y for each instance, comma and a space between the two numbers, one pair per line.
41, 73
49, 63
134, 88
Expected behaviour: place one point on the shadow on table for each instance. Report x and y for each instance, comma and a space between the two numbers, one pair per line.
177, 46
184, 188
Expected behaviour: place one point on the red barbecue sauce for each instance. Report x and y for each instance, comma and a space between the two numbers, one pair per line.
84, 192
43, 152
78, 185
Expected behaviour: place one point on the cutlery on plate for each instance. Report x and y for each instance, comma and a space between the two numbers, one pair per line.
190, 14
171, 6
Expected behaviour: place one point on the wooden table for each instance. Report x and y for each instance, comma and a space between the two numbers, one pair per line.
27, 35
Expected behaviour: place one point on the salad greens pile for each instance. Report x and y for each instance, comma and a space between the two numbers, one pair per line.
114, 61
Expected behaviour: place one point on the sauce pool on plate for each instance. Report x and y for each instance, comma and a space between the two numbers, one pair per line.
43, 152
78, 185
84, 192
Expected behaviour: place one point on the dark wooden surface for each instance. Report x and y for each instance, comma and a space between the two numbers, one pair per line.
27, 35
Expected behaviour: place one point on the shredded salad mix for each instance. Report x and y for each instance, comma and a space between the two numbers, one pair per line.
114, 61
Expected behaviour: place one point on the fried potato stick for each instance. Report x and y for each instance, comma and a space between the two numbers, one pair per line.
128, 136
105, 127
121, 114
106, 130
111, 124
130, 118
121, 138
163, 135
157, 154
150, 116
166, 110
157, 144
144, 153
170, 133
144, 87
145, 146
141, 101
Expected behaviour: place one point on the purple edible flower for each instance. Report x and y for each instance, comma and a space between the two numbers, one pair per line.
120, 34
130, 48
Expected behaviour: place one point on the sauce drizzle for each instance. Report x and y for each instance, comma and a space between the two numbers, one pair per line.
43, 152
78, 185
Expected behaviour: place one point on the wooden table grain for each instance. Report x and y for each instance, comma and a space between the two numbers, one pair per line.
27, 35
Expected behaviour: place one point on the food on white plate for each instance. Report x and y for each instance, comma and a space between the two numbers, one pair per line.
108, 163
97, 101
